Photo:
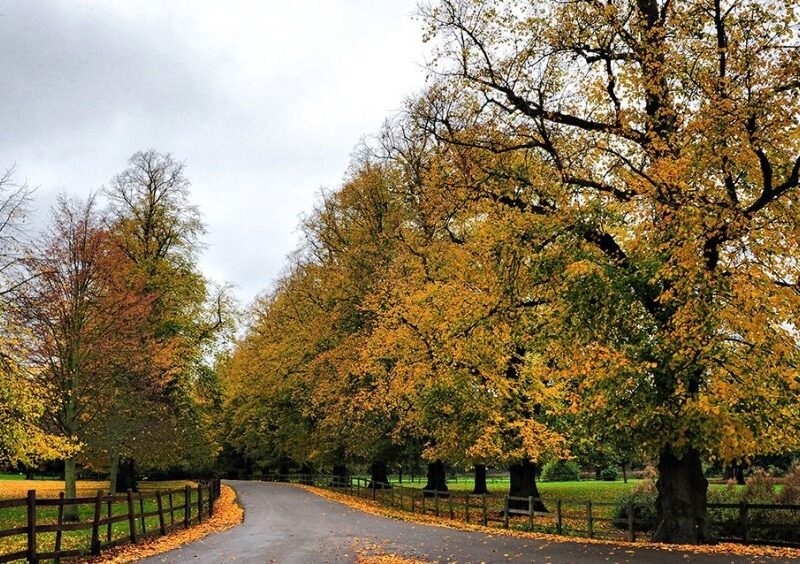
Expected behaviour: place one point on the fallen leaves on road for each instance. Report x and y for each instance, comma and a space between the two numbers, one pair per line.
387, 559
227, 513
375, 508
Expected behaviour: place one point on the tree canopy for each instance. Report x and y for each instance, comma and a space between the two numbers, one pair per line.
595, 238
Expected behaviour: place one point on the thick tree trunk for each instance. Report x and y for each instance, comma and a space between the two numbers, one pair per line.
624, 473
681, 503
480, 480
307, 473
437, 479
126, 476
523, 484
70, 488
341, 477
739, 471
112, 474
378, 477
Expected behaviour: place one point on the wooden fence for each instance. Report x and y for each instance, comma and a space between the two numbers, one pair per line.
195, 505
738, 523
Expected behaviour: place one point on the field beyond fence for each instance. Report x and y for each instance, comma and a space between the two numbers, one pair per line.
745, 523
36, 529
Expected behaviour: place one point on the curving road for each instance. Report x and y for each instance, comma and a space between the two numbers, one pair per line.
285, 524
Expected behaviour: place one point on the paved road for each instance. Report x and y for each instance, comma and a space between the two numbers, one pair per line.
285, 524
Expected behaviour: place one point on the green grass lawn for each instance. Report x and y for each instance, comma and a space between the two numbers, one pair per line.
583, 490
12, 476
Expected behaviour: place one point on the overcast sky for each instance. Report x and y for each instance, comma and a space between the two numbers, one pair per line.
264, 100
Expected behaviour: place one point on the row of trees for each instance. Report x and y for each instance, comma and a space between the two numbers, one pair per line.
108, 329
584, 232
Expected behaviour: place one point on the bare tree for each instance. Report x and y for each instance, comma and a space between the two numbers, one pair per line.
14, 200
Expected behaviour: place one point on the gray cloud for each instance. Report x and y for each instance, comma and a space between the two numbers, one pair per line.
263, 100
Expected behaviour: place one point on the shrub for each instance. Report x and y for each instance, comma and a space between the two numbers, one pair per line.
790, 495
561, 471
764, 524
609, 474
725, 523
760, 488
642, 497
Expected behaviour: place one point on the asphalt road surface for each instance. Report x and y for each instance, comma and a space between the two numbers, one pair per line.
285, 524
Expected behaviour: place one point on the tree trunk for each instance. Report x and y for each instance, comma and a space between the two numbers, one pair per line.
523, 484
681, 503
437, 479
624, 473
341, 477
378, 478
70, 488
307, 473
126, 476
400, 475
739, 471
112, 474
480, 480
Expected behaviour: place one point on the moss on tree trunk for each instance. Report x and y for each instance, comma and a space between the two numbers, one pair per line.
70, 488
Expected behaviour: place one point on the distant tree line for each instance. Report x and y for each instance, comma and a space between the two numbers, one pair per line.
109, 330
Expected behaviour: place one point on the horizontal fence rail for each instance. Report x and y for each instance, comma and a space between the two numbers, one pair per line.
46, 519
744, 523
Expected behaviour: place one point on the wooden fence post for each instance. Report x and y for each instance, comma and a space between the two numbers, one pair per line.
530, 512
187, 507
413, 503
436, 501
109, 514
424, 509
450, 506
60, 520
466, 507
212, 496
631, 522
161, 524
589, 520
485, 512
505, 514
131, 517
199, 503
743, 510
98, 507
559, 528
31, 526
141, 513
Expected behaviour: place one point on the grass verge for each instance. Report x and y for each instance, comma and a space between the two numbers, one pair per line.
374, 508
